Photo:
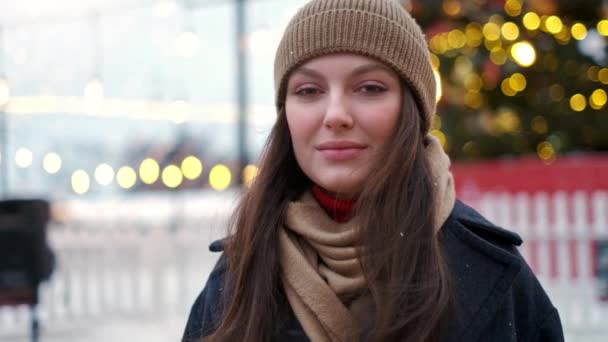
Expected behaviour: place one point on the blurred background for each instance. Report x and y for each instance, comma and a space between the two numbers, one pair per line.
139, 122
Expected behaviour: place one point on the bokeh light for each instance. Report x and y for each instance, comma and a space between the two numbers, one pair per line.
51, 163
220, 177
578, 31
80, 182
491, 31
172, 176
126, 177
546, 152
23, 157
531, 21
602, 27
578, 103
598, 98
104, 174
523, 53
513, 7
510, 31
553, 24
192, 167
149, 171
517, 82
452, 7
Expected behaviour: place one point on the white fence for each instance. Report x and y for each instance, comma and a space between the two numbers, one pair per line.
110, 266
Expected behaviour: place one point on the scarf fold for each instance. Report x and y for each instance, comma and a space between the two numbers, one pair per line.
321, 271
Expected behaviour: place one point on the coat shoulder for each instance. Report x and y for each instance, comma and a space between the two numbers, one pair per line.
473, 221
208, 306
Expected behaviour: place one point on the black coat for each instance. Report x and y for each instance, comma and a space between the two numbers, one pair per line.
498, 297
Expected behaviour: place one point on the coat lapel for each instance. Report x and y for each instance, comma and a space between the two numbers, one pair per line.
482, 275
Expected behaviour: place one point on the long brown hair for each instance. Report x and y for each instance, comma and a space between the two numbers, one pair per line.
407, 276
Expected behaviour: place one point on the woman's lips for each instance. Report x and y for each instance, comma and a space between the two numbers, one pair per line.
341, 150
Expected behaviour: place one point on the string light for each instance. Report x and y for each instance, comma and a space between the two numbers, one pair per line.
51, 163
602, 27
597, 100
104, 174
531, 21
578, 31
23, 157
523, 53
149, 171
578, 103
191, 167
172, 176
510, 31
80, 182
126, 177
220, 177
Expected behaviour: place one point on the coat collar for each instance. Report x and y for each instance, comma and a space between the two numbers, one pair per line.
483, 263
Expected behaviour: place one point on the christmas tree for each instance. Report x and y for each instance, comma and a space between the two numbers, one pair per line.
519, 77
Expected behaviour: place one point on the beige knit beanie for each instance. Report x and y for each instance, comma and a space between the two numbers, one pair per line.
381, 29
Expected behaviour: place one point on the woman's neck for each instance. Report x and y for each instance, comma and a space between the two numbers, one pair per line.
340, 210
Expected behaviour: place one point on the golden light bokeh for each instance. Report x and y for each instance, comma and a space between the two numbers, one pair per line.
452, 7
491, 31
598, 98
578, 31
510, 31
517, 82
192, 167
456, 39
602, 75
172, 176
126, 177
498, 56
523, 53
149, 171
546, 152
578, 102
220, 177
553, 24
531, 21
506, 89
602, 27
513, 7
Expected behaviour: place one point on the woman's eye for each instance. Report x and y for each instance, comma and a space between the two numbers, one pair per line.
309, 91
372, 89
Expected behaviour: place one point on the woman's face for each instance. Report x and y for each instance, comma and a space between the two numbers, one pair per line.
341, 110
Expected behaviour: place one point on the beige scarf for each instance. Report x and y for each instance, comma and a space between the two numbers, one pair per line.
321, 272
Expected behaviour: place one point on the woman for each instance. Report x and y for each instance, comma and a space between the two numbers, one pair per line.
351, 230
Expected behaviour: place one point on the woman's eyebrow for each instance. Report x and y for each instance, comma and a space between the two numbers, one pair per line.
307, 72
370, 67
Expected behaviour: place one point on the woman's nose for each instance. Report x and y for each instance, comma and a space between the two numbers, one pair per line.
337, 114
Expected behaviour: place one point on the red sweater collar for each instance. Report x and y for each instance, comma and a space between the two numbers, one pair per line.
338, 209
